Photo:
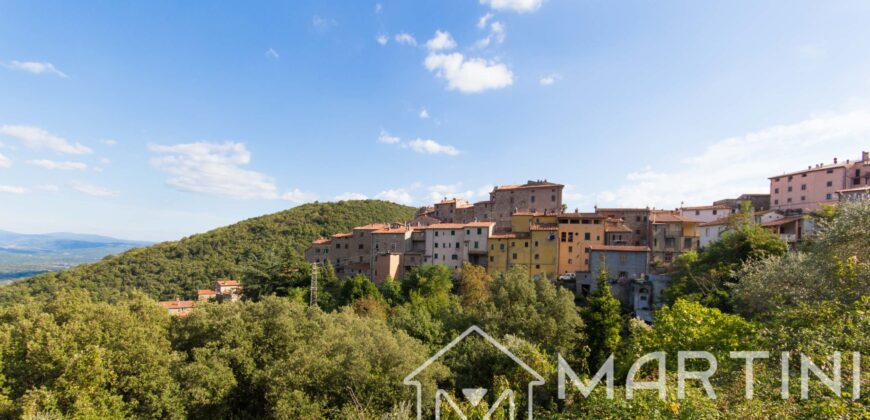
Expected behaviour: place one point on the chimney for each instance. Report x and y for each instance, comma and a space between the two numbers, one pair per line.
865, 156
835, 160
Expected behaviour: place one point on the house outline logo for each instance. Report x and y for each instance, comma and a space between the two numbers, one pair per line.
509, 394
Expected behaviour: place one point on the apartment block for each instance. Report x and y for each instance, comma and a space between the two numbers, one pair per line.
616, 232
577, 232
530, 242
452, 244
672, 235
636, 219
809, 189
533, 197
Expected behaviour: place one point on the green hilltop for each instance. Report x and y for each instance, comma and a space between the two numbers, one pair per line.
177, 269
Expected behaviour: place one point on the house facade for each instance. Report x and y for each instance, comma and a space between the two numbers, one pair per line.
706, 214
672, 235
809, 189
577, 232
636, 219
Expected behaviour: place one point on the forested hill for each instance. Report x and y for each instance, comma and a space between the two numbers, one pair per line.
177, 269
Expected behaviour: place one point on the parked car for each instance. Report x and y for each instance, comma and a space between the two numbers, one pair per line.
568, 276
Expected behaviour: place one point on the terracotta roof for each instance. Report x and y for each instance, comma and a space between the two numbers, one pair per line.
480, 224
617, 227
342, 235
528, 186
178, 304
206, 292
536, 213
783, 221
856, 189
575, 214
400, 229
813, 169
322, 241
668, 217
445, 226
483, 202
227, 282
373, 226
619, 209
624, 248
713, 207
717, 222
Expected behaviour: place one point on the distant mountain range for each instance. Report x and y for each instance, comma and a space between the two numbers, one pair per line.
24, 255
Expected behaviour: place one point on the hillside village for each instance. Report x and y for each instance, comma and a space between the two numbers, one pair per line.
528, 225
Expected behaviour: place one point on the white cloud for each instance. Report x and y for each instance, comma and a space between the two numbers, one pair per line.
742, 164
549, 79
469, 76
498, 32
109, 142
298, 196
322, 24
441, 41
385, 137
383, 39
93, 190
405, 39
37, 138
8, 189
63, 166
213, 169
519, 6
424, 114
35, 67
5, 162
483, 42
430, 147
399, 195
481, 23
350, 196
272, 54
440, 191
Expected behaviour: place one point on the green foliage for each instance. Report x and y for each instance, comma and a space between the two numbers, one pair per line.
177, 269
603, 322
358, 287
707, 275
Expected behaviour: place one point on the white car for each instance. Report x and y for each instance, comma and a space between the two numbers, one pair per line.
568, 276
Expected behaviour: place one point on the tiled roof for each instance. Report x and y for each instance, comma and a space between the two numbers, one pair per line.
528, 186
322, 241
400, 229
720, 221
178, 304
668, 217
373, 226
713, 207
619, 209
783, 221
342, 235
856, 189
228, 282
813, 169
575, 214
445, 226
480, 224
206, 292
624, 248
617, 227
534, 213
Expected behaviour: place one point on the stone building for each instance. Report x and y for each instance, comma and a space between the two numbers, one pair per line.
636, 219
672, 235
533, 196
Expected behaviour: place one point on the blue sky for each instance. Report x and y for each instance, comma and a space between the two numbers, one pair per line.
155, 120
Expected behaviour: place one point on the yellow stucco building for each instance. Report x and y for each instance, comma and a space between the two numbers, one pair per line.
532, 242
577, 231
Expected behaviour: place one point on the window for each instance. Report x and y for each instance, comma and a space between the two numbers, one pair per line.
803, 187
501, 247
697, 213
789, 178
830, 183
564, 235
454, 257
436, 244
452, 233
514, 256
553, 198
775, 201
537, 257
436, 256
457, 245
828, 196
789, 200
803, 198
491, 259
475, 245
436, 233
776, 190
637, 218
526, 244
360, 246
479, 231
533, 199
829, 171
570, 249
537, 266
789, 189
714, 212
536, 244
587, 236
571, 237
468, 231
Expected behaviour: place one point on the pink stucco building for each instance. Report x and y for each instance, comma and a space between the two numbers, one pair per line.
810, 188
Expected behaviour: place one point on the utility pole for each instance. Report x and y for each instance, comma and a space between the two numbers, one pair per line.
313, 292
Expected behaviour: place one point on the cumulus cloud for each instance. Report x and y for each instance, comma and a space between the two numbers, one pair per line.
519, 6
9, 189
93, 190
481, 23
5, 162
471, 75
298, 196
424, 114
440, 191
441, 41
37, 138
549, 79
386, 138
742, 164
35, 67
405, 38
399, 195
63, 166
431, 147
497, 33
216, 169
272, 54
383, 39
350, 196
